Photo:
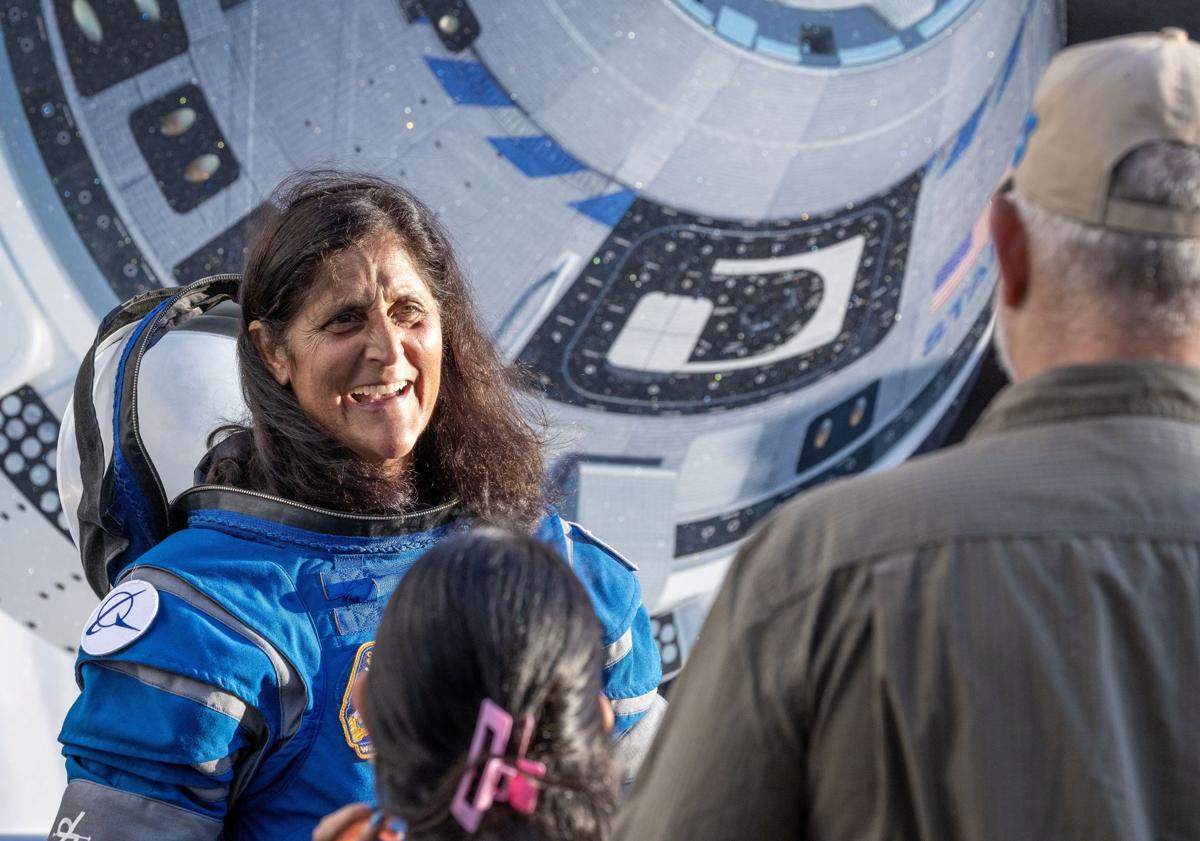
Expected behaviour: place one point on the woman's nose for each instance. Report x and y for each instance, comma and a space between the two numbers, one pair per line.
385, 342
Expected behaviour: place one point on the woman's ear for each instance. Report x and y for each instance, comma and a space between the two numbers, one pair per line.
606, 713
271, 353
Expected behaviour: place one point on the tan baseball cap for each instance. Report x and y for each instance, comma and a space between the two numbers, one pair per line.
1097, 103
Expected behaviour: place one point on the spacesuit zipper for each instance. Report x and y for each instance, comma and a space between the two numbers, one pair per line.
137, 366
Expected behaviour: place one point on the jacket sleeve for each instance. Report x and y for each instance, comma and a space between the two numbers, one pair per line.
167, 730
632, 664
729, 759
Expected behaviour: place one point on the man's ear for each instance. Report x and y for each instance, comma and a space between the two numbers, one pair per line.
1012, 251
270, 352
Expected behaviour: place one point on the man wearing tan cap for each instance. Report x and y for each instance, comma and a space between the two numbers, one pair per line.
1002, 640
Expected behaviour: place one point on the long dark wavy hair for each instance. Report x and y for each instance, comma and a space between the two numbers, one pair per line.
478, 447
490, 614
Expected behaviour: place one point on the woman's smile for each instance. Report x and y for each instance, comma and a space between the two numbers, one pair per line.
368, 394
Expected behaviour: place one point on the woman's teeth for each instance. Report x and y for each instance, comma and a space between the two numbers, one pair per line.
371, 393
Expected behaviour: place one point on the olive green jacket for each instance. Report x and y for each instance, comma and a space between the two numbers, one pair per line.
998, 641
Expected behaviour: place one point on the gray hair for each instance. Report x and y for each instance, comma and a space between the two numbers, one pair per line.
1144, 285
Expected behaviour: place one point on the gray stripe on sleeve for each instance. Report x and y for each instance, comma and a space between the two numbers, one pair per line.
635, 705
212, 698
635, 742
89, 810
616, 652
204, 694
293, 696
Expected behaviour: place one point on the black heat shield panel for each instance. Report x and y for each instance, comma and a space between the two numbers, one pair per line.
170, 157
130, 41
663, 250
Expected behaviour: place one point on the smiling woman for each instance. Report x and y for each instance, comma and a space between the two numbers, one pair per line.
354, 303
381, 420
364, 354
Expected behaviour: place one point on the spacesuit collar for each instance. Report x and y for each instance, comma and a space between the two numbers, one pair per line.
285, 512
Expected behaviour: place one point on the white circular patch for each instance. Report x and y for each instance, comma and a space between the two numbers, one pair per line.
121, 617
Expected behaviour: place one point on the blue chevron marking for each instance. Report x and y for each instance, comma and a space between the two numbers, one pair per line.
468, 83
1010, 63
536, 157
965, 136
1027, 130
607, 210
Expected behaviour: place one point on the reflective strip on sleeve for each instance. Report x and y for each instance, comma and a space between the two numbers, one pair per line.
216, 700
90, 810
194, 690
569, 527
617, 651
293, 696
633, 706
570, 544
635, 742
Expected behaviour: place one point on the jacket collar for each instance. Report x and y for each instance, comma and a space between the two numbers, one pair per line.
1077, 392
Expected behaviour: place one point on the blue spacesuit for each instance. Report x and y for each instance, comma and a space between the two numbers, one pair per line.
217, 701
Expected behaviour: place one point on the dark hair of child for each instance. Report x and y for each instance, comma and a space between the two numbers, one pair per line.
499, 616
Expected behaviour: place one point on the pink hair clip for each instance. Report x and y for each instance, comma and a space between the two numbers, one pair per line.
496, 780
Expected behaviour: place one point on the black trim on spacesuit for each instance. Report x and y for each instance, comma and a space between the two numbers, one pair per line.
187, 303
102, 537
298, 515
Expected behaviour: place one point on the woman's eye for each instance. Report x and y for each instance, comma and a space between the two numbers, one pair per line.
409, 314
343, 320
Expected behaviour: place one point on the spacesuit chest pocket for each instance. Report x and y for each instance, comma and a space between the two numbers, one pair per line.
357, 592
356, 619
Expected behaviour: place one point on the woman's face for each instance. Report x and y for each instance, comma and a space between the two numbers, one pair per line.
364, 354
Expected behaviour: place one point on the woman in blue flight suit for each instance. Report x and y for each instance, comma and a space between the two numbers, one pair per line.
216, 675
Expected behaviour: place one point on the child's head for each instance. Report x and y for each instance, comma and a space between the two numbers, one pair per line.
491, 615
